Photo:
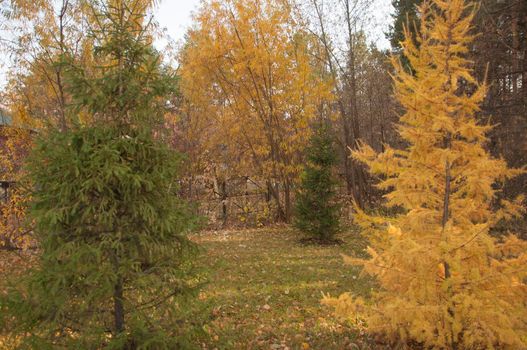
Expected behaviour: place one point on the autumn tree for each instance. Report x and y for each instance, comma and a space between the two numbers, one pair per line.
115, 265
317, 212
500, 55
45, 36
376, 103
444, 281
38, 38
338, 27
16, 137
246, 71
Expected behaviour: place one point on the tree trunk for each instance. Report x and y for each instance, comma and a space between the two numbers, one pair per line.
118, 298
359, 183
275, 193
118, 307
223, 188
287, 200
444, 220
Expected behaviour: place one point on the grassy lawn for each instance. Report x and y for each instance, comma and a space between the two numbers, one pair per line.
266, 287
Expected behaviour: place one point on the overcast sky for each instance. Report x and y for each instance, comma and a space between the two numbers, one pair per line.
176, 16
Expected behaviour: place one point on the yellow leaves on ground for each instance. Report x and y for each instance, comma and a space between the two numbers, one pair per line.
254, 268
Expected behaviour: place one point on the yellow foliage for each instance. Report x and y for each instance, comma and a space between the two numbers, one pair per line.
394, 231
15, 143
250, 87
445, 282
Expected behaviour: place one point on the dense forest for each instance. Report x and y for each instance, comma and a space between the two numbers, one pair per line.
275, 180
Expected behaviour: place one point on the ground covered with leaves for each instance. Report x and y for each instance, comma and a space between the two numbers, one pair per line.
265, 288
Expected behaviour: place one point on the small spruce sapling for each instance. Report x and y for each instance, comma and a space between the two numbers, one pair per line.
317, 212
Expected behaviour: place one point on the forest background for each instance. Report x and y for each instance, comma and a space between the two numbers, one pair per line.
243, 112
267, 99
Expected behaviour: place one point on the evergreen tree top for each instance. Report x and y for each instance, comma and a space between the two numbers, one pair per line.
320, 150
405, 15
129, 86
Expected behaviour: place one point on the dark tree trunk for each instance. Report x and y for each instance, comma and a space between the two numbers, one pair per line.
118, 298
223, 198
118, 307
287, 204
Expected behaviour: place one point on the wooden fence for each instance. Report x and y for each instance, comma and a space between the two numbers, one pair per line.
239, 202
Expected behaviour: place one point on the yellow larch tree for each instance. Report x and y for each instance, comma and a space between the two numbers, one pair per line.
444, 281
246, 71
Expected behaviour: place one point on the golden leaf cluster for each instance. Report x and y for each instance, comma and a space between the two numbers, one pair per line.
250, 87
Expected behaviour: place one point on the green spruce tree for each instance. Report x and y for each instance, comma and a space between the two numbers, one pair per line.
404, 16
317, 213
115, 267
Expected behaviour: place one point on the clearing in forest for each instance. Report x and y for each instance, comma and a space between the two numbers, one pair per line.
265, 289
